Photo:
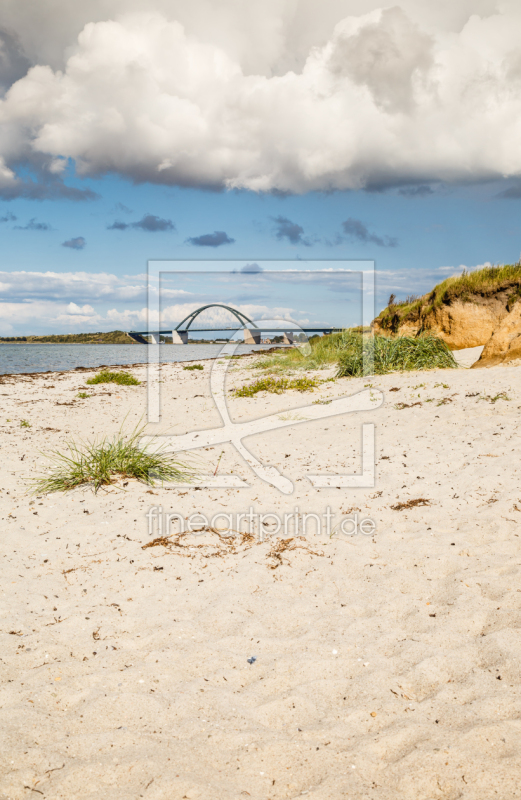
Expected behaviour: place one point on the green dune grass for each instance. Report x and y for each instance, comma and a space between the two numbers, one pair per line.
103, 462
106, 376
347, 350
403, 353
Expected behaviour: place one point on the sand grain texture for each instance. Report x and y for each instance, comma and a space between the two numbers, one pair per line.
386, 666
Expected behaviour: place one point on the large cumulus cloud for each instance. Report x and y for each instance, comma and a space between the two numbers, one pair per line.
387, 100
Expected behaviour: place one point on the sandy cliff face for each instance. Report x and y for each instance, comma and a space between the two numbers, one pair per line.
463, 318
463, 325
504, 343
459, 324
405, 329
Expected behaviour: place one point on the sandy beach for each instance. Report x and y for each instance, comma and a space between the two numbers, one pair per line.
380, 666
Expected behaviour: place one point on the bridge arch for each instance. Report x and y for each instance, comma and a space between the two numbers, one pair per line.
243, 319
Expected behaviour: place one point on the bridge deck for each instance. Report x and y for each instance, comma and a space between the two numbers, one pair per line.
168, 331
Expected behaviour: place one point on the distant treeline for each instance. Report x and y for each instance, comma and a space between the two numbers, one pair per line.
112, 337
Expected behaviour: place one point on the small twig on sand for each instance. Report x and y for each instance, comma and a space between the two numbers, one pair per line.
218, 462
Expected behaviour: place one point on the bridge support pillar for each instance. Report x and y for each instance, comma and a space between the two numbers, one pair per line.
252, 336
137, 337
154, 338
179, 337
288, 337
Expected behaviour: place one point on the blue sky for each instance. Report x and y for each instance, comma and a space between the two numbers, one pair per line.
415, 241
450, 227
388, 168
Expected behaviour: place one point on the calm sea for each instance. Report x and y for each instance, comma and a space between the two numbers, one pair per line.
16, 358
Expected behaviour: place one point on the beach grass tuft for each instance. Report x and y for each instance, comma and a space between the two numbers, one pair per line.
323, 352
194, 366
103, 462
394, 355
347, 350
276, 386
106, 376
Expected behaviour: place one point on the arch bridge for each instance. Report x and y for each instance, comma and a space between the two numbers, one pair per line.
179, 334
184, 325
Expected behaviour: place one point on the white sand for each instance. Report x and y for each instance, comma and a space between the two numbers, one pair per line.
468, 356
387, 666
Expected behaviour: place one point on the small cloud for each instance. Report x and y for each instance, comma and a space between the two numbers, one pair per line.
149, 222
74, 309
416, 191
356, 230
75, 244
122, 207
32, 225
117, 225
286, 229
9, 217
153, 224
251, 268
215, 239
512, 193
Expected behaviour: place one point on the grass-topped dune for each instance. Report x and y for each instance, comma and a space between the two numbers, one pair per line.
475, 308
463, 310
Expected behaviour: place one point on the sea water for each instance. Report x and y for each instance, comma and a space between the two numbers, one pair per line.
19, 358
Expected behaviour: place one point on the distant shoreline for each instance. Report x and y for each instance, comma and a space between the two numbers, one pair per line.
120, 344
83, 344
96, 337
